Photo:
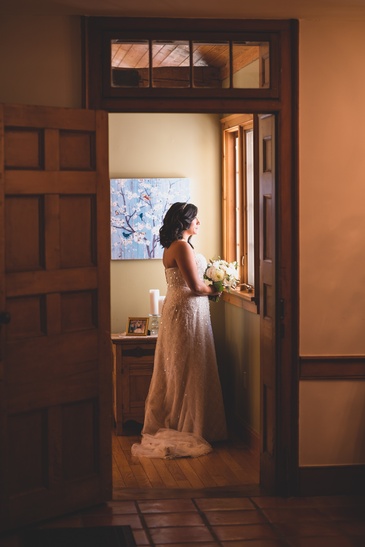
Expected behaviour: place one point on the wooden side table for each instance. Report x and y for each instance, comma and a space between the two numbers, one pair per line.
132, 370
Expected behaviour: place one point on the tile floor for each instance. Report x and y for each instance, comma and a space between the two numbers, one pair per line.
259, 521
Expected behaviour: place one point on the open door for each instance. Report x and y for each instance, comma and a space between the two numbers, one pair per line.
267, 290
55, 350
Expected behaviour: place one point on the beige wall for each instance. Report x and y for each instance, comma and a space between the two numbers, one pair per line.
332, 189
332, 417
164, 145
241, 370
332, 228
40, 64
40, 60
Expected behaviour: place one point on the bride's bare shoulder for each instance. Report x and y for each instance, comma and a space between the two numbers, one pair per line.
176, 250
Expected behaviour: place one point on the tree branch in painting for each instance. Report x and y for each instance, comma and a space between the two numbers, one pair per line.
138, 207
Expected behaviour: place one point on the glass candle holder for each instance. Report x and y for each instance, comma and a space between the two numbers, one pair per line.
153, 324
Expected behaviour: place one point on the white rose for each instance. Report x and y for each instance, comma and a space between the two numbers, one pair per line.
217, 275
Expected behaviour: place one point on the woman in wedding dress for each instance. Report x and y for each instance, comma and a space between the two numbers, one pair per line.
184, 410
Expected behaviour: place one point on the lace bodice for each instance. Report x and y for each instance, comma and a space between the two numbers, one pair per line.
175, 279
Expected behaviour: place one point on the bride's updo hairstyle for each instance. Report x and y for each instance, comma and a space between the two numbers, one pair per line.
177, 219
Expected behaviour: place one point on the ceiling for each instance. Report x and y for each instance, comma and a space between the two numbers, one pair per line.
262, 9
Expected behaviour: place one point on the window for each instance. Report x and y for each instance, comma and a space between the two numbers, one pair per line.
166, 64
131, 60
239, 199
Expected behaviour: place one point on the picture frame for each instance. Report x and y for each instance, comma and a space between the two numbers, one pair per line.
137, 326
137, 209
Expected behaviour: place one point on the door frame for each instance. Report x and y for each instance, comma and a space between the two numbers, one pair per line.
282, 101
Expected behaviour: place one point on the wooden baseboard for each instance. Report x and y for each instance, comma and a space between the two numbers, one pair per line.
332, 480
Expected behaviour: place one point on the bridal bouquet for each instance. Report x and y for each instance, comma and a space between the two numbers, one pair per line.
222, 274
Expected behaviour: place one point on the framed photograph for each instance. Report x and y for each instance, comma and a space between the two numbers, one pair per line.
137, 208
137, 326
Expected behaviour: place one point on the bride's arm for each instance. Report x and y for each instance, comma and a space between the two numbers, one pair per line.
185, 260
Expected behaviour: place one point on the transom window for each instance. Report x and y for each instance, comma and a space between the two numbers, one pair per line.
130, 60
189, 64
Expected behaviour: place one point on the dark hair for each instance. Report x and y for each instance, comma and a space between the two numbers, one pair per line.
177, 219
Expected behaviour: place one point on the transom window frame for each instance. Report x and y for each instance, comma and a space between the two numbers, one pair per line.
99, 92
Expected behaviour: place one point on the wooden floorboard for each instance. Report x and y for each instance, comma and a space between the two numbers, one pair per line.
230, 467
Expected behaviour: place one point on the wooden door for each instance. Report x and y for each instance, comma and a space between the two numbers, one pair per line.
55, 351
267, 291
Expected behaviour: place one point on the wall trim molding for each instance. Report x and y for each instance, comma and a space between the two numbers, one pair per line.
332, 367
334, 480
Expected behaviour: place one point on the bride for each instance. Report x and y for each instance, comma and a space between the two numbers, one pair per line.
184, 410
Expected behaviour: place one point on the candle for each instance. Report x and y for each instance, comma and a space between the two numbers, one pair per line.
154, 295
160, 304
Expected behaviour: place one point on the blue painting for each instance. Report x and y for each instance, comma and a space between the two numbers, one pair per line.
137, 209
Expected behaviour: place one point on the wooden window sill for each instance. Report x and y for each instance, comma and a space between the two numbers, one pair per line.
241, 299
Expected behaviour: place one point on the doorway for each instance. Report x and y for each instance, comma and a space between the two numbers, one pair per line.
188, 145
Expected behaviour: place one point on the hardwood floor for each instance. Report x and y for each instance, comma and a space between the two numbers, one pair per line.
230, 466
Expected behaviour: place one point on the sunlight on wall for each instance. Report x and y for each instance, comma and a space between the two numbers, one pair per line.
332, 191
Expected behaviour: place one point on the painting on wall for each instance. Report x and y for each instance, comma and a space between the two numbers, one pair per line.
137, 209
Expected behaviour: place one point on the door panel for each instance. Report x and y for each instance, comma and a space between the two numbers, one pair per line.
56, 363
267, 252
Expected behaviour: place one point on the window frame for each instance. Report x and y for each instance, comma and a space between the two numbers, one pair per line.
235, 237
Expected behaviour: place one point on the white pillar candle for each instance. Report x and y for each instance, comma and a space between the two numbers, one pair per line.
160, 304
154, 295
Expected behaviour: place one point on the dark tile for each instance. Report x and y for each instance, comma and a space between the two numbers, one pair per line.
166, 506
256, 543
123, 507
140, 537
173, 519
272, 502
357, 542
338, 501
222, 504
345, 513
187, 534
198, 544
299, 514
353, 528
320, 542
244, 532
294, 529
72, 521
10, 541
112, 508
234, 517
113, 520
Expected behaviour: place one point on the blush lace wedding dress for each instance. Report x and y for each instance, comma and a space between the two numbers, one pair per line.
184, 410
